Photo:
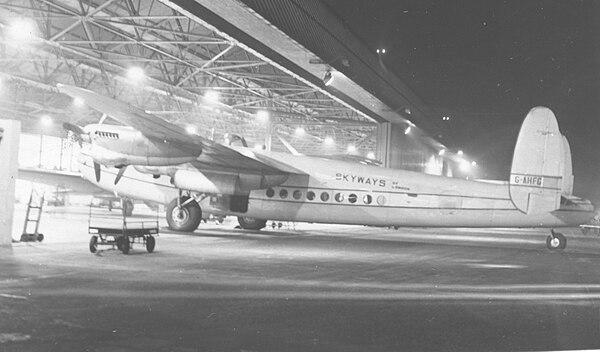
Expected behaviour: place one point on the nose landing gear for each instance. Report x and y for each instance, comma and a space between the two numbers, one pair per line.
556, 241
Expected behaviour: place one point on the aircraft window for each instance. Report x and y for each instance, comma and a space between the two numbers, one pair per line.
270, 193
339, 197
368, 199
297, 194
352, 198
310, 195
381, 200
324, 196
283, 193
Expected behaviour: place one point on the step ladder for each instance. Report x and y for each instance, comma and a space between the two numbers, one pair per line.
32, 217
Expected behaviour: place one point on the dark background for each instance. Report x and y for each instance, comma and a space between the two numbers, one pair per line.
486, 63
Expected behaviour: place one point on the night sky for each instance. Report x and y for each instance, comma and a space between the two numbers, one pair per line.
486, 63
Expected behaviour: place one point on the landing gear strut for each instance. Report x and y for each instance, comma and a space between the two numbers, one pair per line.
184, 214
556, 241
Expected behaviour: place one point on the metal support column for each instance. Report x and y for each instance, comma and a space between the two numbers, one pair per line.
10, 131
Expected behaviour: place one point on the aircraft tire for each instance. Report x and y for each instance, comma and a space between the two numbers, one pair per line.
94, 244
185, 219
556, 242
150, 244
251, 223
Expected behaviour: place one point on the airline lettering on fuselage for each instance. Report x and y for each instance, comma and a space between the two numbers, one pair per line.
360, 179
528, 180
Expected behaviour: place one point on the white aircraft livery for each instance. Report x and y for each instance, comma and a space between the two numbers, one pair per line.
173, 167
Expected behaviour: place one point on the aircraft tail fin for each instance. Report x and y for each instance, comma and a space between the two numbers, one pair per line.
539, 164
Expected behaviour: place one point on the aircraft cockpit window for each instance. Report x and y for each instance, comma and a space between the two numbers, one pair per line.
368, 199
310, 195
297, 194
352, 198
324, 196
283, 193
270, 192
339, 197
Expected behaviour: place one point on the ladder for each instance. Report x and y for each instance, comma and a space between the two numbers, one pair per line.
33, 216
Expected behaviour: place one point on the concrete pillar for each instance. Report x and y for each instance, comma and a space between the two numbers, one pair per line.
10, 131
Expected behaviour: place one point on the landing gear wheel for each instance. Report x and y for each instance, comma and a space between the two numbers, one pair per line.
185, 218
40, 237
251, 223
119, 242
150, 244
556, 241
94, 244
125, 245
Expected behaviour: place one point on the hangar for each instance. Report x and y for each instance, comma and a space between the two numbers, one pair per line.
278, 74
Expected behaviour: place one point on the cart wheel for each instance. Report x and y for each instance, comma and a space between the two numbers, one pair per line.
125, 245
150, 243
119, 242
40, 237
94, 244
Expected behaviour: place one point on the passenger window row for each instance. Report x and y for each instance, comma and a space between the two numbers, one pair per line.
324, 196
109, 135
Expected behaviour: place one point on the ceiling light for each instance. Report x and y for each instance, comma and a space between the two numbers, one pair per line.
328, 78
262, 116
328, 140
351, 148
21, 31
191, 129
300, 131
407, 130
460, 152
371, 155
211, 96
136, 74
46, 120
442, 152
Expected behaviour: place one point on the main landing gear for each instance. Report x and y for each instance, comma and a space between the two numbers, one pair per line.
556, 241
251, 223
184, 214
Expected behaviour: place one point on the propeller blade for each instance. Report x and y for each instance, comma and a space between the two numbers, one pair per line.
120, 173
73, 128
97, 171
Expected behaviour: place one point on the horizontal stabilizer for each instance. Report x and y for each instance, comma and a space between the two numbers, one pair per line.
538, 166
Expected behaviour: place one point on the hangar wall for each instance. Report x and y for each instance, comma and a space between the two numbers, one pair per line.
9, 155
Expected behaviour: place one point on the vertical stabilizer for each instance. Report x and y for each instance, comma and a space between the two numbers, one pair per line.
538, 166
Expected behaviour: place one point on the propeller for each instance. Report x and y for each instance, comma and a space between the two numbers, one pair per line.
77, 131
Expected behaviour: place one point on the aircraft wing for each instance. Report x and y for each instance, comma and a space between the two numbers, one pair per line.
214, 156
67, 181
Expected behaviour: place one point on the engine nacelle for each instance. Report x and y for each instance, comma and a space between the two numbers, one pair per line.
224, 183
121, 145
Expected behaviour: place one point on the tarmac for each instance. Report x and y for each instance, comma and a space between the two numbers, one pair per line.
302, 287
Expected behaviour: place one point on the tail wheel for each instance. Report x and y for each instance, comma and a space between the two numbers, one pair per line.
184, 218
251, 223
556, 241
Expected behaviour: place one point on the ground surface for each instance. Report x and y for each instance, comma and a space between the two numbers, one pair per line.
308, 288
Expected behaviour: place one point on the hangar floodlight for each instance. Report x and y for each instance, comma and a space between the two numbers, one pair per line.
78, 102
191, 129
21, 31
328, 140
442, 152
211, 96
460, 152
351, 148
262, 116
465, 166
46, 120
136, 74
371, 155
473, 163
407, 130
299, 131
381, 51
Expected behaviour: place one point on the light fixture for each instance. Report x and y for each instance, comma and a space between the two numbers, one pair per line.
351, 148
299, 131
136, 74
211, 96
460, 152
262, 116
21, 31
371, 155
328, 140
473, 163
442, 152
407, 130
328, 78
46, 120
464, 166
381, 51
191, 129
